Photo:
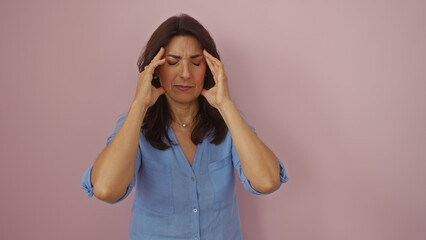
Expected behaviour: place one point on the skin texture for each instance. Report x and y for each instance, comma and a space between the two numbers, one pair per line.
185, 66
258, 162
181, 63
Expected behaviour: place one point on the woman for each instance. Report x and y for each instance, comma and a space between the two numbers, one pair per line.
175, 143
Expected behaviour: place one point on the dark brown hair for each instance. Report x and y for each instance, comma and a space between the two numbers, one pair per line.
156, 123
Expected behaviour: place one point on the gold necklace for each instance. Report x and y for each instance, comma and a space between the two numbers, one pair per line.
184, 125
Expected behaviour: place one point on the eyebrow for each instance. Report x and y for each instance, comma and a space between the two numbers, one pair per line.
179, 57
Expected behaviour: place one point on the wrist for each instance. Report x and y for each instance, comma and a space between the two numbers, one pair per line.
225, 107
139, 106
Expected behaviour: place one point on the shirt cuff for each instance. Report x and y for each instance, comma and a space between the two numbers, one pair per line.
86, 183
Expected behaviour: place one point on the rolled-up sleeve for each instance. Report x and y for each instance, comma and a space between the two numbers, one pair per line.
243, 178
86, 183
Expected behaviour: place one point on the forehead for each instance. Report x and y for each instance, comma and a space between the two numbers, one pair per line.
184, 46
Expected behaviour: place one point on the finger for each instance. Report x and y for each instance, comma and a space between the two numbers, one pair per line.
159, 54
210, 64
155, 61
160, 91
212, 70
154, 64
216, 63
208, 54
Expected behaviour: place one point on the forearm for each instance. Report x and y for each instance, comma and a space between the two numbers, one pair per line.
258, 162
113, 170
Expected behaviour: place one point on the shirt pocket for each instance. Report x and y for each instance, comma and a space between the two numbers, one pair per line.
222, 178
156, 188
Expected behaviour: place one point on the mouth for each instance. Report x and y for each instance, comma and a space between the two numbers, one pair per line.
183, 88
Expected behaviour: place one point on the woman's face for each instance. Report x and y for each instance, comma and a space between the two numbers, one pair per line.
182, 75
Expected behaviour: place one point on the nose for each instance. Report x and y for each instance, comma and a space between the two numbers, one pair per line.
185, 71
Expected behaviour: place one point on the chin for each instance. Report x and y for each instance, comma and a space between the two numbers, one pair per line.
183, 99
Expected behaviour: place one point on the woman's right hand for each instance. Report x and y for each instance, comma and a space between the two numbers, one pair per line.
114, 168
146, 93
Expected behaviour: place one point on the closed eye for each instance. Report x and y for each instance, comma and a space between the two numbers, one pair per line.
196, 64
172, 63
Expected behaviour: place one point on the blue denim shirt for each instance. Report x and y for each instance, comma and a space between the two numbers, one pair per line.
176, 201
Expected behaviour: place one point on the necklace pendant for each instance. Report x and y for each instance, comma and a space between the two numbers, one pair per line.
184, 125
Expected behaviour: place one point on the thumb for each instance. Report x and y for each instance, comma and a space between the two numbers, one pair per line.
160, 91
204, 92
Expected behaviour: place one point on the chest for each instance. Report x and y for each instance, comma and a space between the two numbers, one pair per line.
187, 146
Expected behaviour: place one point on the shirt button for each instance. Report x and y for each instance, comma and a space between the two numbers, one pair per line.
195, 210
193, 179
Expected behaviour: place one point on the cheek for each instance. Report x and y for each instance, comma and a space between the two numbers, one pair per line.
166, 75
199, 75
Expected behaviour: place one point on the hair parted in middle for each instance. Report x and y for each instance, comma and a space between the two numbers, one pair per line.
156, 122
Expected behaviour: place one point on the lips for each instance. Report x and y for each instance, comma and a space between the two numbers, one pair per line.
183, 88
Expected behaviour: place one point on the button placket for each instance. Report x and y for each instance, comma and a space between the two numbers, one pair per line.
195, 218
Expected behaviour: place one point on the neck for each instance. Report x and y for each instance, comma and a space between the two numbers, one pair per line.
183, 113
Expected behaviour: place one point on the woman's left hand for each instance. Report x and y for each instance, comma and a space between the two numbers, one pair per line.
218, 95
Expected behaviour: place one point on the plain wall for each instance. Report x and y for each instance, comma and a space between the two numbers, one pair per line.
337, 89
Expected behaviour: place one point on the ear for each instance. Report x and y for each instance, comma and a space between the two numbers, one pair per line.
156, 77
156, 72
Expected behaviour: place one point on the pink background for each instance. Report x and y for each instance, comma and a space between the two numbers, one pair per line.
337, 89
